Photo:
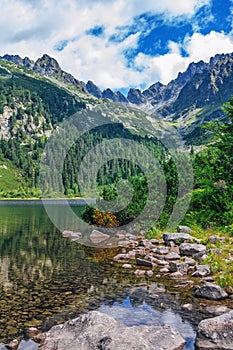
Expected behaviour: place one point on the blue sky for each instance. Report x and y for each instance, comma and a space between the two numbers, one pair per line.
118, 43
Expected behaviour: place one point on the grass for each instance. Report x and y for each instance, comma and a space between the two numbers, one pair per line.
10, 177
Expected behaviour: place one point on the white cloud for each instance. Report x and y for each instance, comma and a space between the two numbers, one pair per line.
31, 28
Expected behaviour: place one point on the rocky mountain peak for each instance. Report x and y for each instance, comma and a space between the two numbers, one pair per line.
47, 65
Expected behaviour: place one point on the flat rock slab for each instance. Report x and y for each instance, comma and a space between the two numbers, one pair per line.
215, 333
95, 330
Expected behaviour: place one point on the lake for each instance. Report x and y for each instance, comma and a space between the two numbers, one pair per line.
46, 279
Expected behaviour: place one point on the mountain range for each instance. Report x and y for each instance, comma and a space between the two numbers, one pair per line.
196, 96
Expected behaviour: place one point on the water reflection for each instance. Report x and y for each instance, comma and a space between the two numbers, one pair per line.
144, 314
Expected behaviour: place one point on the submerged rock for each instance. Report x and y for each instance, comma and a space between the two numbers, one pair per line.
97, 237
216, 333
95, 330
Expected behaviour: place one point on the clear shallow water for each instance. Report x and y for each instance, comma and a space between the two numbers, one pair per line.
46, 279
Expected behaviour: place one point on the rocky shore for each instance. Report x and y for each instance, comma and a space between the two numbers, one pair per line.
179, 256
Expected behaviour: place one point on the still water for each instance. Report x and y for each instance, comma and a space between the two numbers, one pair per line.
46, 279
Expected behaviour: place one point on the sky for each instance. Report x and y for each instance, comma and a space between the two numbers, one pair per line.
118, 43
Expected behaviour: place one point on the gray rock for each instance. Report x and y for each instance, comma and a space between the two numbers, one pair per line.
161, 250
154, 241
215, 239
189, 261
172, 256
217, 310
143, 262
13, 345
180, 267
95, 330
215, 333
140, 273
201, 271
210, 291
121, 257
149, 273
176, 238
188, 307
190, 249
164, 270
127, 266
98, 237
185, 229
71, 234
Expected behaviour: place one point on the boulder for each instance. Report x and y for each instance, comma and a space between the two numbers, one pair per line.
96, 330
179, 266
201, 271
176, 238
121, 258
215, 333
172, 256
217, 310
98, 237
189, 249
143, 262
184, 229
162, 250
210, 291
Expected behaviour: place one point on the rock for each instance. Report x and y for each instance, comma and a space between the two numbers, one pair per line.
176, 238
97, 237
154, 241
172, 256
201, 271
127, 266
179, 266
143, 262
200, 256
210, 291
215, 239
39, 338
139, 273
149, 273
189, 261
188, 307
32, 331
127, 244
185, 229
121, 257
71, 234
164, 270
13, 345
146, 244
95, 330
217, 310
161, 250
176, 274
215, 333
131, 255
190, 249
